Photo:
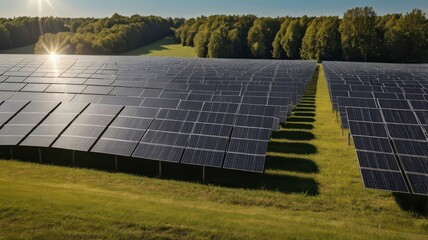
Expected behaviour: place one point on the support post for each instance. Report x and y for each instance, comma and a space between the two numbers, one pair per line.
115, 163
74, 162
160, 169
40, 155
349, 139
203, 174
11, 153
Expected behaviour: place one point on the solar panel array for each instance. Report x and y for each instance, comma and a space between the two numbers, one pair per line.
215, 113
385, 107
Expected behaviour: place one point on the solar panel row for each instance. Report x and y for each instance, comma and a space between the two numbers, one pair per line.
215, 113
385, 107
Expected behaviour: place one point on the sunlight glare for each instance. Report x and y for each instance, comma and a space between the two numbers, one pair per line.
53, 56
40, 4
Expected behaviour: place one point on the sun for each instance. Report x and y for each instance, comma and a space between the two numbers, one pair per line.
41, 4
53, 56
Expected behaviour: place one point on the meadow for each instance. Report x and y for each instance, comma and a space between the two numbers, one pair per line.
166, 47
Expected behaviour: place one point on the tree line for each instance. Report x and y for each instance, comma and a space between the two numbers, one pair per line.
85, 35
113, 35
360, 35
22, 31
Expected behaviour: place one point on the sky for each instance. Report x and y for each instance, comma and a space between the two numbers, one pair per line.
193, 8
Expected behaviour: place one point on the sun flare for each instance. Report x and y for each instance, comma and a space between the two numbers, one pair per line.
41, 4
53, 56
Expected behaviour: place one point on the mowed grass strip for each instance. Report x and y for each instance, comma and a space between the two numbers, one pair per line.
313, 195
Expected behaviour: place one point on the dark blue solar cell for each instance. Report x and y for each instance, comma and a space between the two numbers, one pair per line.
364, 114
203, 157
399, 116
245, 162
367, 129
412, 148
377, 160
418, 183
386, 180
414, 164
404, 131
372, 144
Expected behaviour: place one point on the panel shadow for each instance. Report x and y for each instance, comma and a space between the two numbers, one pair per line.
305, 126
294, 135
416, 204
296, 148
291, 164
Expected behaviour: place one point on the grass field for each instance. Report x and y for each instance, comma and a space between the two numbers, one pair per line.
312, 190
29, 49
166, 47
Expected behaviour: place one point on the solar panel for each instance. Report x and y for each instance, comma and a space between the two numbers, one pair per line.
367, 129
248, 146
203, 157
244, 162
251, 133
208, 142
179, 115
414, 164
217, 118
412, 148
422, 117
255, 121
188, 111
393, 104
399, 91
399, 116
404, 131
166, 138
87, 127
386, 180
364, 114
220, 107
21, 124
372, 144
418, 183
377, 160
158, 152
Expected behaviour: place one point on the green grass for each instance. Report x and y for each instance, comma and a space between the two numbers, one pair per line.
29, 49
315, 192
166, 47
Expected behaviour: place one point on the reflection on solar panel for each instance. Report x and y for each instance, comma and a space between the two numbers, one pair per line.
389, 128
203, 112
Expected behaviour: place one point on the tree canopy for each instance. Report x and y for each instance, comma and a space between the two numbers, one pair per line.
360, 35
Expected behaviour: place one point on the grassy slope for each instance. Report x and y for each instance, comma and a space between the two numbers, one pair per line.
29, 49
166, 47
319, 195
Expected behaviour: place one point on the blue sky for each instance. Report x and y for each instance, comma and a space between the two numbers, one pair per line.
192, 8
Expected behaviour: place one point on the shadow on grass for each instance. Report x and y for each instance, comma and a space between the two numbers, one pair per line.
305, 105
304, 114
301, 119
413, 203
305, 126
290, 184
302, 165
308, 101
304, 110
294, 148
268, 181
294, 135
